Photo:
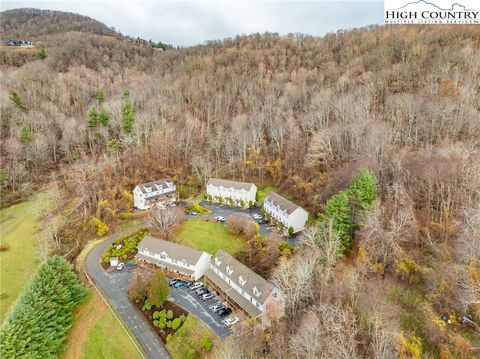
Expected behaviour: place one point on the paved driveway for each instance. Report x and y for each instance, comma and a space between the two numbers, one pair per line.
114, 286
226, 211
190, 302
264, 230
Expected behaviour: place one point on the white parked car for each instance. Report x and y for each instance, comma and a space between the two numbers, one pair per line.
231, 321
257, 216
161, 206
220, 219
120, 266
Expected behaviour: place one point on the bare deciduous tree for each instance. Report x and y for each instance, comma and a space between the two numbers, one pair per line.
165, 220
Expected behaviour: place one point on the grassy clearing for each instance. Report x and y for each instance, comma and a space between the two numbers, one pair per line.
209, 236
96, 333
19, 234
185, 343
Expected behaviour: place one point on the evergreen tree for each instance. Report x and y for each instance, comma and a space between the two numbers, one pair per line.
158, 289
101, 97
127, 118
103, 118
337, 209
26, 135
16, 100
363, 189
92, 119
38, 324
42, 53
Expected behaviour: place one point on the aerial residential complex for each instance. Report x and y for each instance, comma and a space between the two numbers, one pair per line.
243, 289
146, 195
174, 259
284, 212
231, 192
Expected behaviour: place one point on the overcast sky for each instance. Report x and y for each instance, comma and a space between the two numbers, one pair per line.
187, 23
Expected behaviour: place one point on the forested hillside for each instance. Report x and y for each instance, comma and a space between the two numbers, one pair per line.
100, 114
32, 23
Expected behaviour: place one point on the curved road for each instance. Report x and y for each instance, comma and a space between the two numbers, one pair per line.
114, 286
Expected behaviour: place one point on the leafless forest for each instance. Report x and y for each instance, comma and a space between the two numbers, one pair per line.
299, 112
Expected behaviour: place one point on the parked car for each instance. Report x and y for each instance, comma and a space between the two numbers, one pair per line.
179, 284
202, 291
172, 281
161, 206
224, 312
257, 216
216, 307
261, 221
231, 321
196, 286
207, 296
120, 266
220, 219
193, 213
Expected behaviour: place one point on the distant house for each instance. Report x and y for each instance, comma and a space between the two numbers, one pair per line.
231, 192
282, 211
146, 195
18, 43
173, 259
245, 290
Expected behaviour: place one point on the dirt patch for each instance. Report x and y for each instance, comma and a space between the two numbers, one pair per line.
162, 333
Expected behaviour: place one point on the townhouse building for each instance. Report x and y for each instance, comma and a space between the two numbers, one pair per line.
147, 195
174, 259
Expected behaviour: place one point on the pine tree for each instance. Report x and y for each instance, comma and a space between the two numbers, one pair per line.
16, 100
337, 210
127, 118
92, 119
42, 53
26, 135
38, 324
363, 189
103, 118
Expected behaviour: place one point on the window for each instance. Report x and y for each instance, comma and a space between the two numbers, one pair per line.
229, 270
241, 280
217, 261
162, 257
174, 260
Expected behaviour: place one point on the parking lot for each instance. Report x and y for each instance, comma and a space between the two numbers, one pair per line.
189, 300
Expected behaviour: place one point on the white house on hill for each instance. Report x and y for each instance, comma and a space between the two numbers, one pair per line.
146, 195
172, 258
283, 211
231, 192
244, 289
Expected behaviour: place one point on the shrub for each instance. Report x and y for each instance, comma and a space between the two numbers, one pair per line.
137, 291
210, 198
250, 204
176, 323
16, 100
206, 344
290, 230
100, 228
147, 305
242, 203
42, 54
170, 314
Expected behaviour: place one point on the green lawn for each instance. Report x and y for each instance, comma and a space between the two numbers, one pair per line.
18, 232
208, 236
96, 333
185, 343
265, 191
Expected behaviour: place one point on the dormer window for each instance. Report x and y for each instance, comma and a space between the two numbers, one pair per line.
229, 270
217, 261
241, 280
256, 291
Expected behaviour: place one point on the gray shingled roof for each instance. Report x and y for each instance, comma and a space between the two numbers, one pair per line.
239, 269
152, 185
230, 184
281, 202
173, 250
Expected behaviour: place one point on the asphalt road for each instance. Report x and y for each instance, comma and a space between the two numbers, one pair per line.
265, 229
114, 286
